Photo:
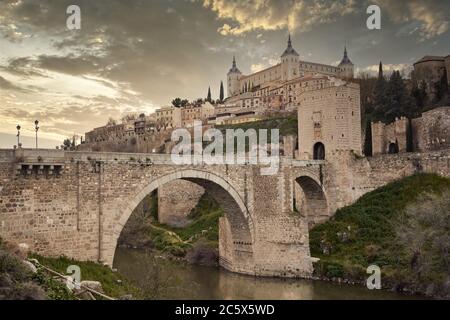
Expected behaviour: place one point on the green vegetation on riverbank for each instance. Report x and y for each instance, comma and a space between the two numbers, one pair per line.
200, 234
403, 227
113, 283
287, 125
18, 280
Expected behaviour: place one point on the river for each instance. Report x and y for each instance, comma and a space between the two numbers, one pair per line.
168, 279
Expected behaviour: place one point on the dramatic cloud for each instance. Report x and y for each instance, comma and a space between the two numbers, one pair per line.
250, 15
431, 16
7, 85
135, 55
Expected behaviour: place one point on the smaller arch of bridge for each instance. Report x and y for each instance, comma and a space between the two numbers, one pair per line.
314, 200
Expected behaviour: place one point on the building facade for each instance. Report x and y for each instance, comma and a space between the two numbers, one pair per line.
329, 120
289, 68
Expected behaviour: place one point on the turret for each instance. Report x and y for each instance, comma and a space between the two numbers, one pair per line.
289, 62
233, 77
346, 66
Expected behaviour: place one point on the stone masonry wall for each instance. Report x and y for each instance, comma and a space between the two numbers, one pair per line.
176, 199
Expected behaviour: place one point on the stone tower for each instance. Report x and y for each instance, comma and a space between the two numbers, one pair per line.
346, 66
289, 63
233, 78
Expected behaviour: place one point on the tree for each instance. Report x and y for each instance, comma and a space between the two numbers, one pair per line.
209, 95
391, 99
419, 94
176, 102
67, 144
184, 103
368, 152
379, 99
221, 97
440, 89
111, 122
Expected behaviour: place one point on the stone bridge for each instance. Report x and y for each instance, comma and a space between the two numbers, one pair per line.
77, 203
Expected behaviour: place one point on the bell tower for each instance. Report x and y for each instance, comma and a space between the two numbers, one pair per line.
289, 62
233, 78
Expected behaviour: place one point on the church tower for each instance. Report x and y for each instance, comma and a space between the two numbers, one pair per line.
289, 63
233, 77
346, 67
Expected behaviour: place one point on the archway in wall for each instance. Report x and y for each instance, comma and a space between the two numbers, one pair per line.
319, 151
310, 200
393, 148
236, 229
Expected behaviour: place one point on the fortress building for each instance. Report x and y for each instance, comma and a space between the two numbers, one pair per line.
431, 70
290, 68
329, 120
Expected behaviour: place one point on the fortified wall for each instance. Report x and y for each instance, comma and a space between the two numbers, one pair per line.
430, 132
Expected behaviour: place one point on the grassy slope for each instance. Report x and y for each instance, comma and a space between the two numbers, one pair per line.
95, 272
365, 233
287, 125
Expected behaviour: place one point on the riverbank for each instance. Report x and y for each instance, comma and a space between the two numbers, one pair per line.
21, 279
195, 243
403, 227
180, 280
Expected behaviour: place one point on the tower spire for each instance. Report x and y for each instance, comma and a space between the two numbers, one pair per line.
345, 59
289, 50
234, 66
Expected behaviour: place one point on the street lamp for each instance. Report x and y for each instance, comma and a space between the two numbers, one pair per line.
36, 128
18, 135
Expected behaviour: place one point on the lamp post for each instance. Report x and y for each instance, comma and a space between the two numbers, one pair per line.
36, 123
18, 135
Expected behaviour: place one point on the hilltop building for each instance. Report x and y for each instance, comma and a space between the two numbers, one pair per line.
273, 88
431, 70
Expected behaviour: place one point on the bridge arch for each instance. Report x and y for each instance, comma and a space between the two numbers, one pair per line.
239, 220
311, 199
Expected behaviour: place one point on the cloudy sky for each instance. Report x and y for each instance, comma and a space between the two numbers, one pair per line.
136, 55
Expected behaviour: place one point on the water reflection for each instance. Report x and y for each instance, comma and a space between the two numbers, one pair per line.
177, 280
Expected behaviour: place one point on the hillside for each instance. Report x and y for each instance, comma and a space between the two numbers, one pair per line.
403, 227
287, 125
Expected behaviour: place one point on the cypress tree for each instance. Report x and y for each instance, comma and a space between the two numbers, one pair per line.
379, 102
209, 95
368, 139
221, 97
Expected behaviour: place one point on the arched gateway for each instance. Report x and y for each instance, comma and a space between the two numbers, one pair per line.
238, 224
310, 199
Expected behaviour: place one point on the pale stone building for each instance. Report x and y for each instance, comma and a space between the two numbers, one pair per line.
329, 120
289, 68
168, 117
